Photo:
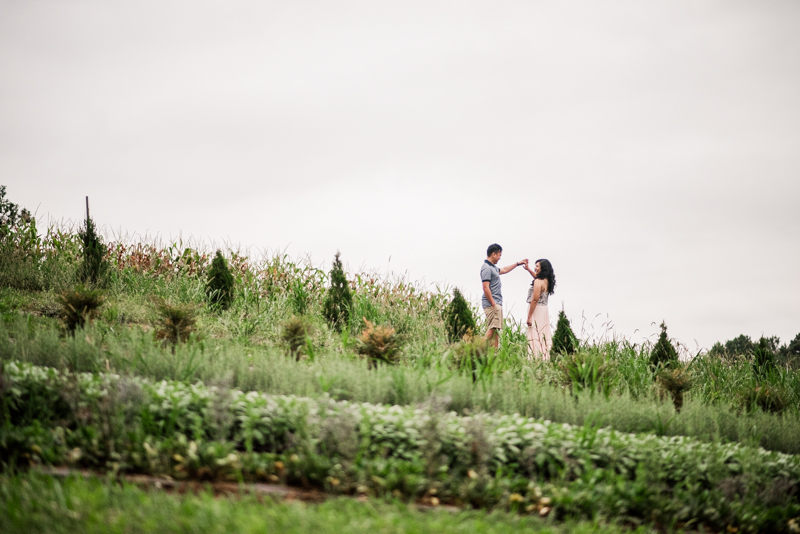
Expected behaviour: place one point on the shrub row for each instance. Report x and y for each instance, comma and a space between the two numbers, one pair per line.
268, 370
124, 423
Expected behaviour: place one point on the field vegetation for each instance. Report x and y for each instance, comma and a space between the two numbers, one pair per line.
173, 360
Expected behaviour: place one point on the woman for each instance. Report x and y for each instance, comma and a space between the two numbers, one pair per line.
539, 335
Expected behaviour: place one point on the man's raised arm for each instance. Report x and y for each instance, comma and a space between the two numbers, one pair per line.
509, 268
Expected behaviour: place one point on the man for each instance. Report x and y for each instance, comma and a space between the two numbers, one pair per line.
492, 298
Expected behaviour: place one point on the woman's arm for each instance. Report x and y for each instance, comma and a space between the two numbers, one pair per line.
537, 292
529, 270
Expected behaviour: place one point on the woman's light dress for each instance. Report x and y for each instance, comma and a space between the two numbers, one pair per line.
539, 335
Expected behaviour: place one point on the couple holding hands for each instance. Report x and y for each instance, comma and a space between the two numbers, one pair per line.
544, 282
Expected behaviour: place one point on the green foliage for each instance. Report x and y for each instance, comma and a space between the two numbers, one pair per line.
220, 283
297, 332
299, 296
472, 355
338, 301
80, 306
458, 318
663, 353
19, 247
379, 343
9, 212
564, 340
711, 411
95, 267
587, 370
739, 345
676, 382
793, 348
176, 321
764, 356
498, 461
767, 397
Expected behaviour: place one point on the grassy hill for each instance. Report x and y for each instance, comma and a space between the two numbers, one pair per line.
251, 347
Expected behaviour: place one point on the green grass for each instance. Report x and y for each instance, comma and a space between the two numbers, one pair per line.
40, 504
337, 372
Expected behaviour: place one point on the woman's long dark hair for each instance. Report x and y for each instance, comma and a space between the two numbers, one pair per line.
546, 273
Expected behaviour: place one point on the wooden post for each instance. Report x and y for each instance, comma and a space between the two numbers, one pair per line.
87, 210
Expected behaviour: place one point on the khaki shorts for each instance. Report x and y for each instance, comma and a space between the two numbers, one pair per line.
494, 317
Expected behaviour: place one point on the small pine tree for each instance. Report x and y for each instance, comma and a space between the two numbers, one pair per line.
564, 340
338, 302
458, 318
219, 287
95, 266
663, 353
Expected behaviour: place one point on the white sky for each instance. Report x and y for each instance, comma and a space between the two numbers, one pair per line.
650, 150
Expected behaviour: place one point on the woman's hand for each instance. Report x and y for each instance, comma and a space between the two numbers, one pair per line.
530, 323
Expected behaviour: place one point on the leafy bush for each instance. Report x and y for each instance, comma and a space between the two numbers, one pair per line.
177, 321
564, 340
379, 344
458, 318
220, 284
297, 332
663, 353
95, 267
338, 301
79, 306
675, 381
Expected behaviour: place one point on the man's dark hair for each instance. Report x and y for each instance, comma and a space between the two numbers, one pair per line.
492, 249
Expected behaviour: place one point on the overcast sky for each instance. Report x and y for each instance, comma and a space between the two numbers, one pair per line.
650, 150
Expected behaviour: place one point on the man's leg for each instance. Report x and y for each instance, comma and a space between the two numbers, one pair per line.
493, 336
494, 321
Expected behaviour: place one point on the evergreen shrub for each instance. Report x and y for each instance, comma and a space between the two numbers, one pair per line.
95, 267
338, 301
663, 353
564, 340
458, 318
219, 287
